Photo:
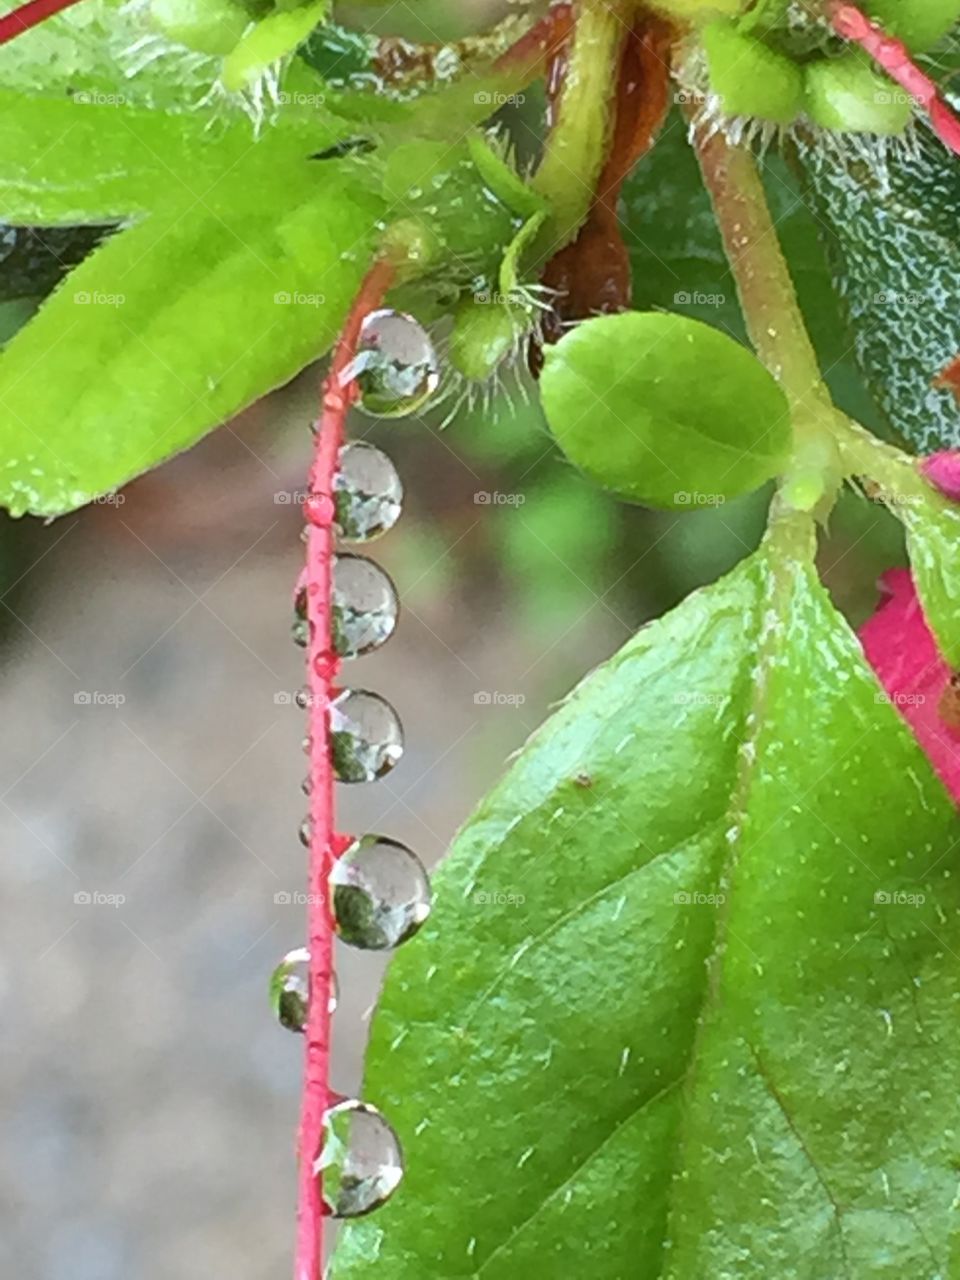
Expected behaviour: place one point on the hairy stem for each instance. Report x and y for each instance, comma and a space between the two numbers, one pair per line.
774, 320
339, 391
828, 444
578, 143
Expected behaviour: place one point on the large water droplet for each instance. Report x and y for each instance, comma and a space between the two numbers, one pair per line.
360, 1161
395, 366
366, 737
365, 606
367, 492
380, 893
290, 987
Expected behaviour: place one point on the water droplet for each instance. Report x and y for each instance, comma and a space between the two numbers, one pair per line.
367, 492
301, 625
365, 606
289, 988
380, 893
360, 1161
366, 737
304, 833
395, 366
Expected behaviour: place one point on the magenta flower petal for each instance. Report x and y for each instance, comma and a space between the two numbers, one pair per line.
901, 649
943, 472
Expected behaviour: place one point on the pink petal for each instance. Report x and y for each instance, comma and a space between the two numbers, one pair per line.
900, 648
943, 472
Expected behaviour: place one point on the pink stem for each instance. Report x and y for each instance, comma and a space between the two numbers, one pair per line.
339, 391
30, 15
894, 57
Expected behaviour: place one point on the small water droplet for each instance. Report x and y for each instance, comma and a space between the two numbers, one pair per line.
289, 988
304, 833
380, 893
301, 625
365, 606
360, 1161
395, 366
366, 737
367, 492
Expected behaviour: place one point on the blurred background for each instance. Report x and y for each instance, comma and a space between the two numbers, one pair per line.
150, 789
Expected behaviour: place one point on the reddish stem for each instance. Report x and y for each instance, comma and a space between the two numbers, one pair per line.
541, 43
30, 15
894, 57
339, 391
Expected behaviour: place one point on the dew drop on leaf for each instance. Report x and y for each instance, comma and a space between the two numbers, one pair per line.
380, 893
289, 990
367, 492
360, 1161
365, 606
395, 367
366, 737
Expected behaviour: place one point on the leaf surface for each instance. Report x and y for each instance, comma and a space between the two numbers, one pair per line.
891, 233
175, 324
670, 1018
664, 410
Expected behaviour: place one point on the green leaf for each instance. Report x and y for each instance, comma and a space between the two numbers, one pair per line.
596, 1073
94, 48
73, 161
664, 410
177, 323
891, 234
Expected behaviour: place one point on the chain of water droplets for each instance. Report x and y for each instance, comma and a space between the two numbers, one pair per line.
371, 891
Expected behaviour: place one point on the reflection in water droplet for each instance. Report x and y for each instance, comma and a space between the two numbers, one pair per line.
367, 492
380, 893
395, 366
366, 737
365, 606
289, 988
360, 1161
301, 626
